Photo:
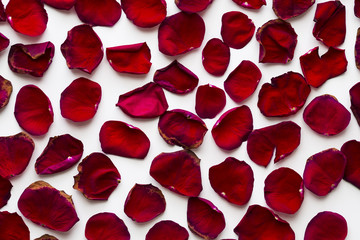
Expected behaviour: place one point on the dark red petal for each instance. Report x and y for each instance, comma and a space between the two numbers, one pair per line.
27, 16
357, 8
5, 91
261, 223
144, 202
145, 14
33, 59
107, 226
216, 57
233, 180
242, 81
286, 9
147, 101
251, 4
285, 95
326, 116
5, 191
277, 42
351, 150
82, 48
191, 6
133, 58
284, 137
182, 128
178, 171
355, 101
80, 100
124, 140
48, 207
330, 28
357, 49
60, 4
98, 12
236, 29
61, 153
210, 101
97, 178
46, 237
233, 128
176, 78
326, 226
324, 170
204, 219
167, 229
181, 33
4, 42
2, 12
12, 227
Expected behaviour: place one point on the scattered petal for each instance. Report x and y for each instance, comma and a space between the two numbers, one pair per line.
4, 42
60, 4
191, 6
13, 227
5, 91
285, 9
250, 4
351, 150
357, 49
216, 57
2, 12
167, 229
5, 191
357, 8
46, 237
355, 101
210, 101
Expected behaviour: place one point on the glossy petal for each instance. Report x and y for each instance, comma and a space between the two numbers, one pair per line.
191, 6
46, 237
4, 42
351, 150
210, 101
251, 4
286, 9
60, 4
167, 230
5, 191
216, 57
5, 91
12, 227
355, 101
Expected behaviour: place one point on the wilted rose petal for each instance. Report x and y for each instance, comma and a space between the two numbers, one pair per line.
182, 128
277, 42
124, 140
147, 101
12, 227
133, 58
4, 42
5, 191
5, 91
33, 59
355, 101
242, 81
176, 78
326, 116
27, 16
251, 4
286, 9
178, 171
107, 226
46, 237
357, 8
261, 223
204, 219
326, 226
236, 29
48, 207
61, 153
317, 70
181, 33
167, 229
60, 4
216, 57
285, 95
82, 48
191, 6
283, 137
80, 100
233, 128
351, 150
210, 101
233, 180
98, 12
144, 202
324, 170
357, 49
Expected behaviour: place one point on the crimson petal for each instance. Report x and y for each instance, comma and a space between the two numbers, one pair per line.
191, 6
210, 101
181, 33
46, 237
251, 4
5, 91
357, 49
355, 101
216, 57
357, 8
286, 9
2, 12
4, 42
5, 191
12, 227
167, 229
60, 4
351, 150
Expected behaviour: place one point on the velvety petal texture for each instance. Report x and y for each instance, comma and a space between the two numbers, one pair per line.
355, 101
167, 230
60, 4
210, 101
351, 150
216, 57
357, 8
4, 42
5, 91
191, 6
286, 9
250, 4
13, 227
2, 12
5, 191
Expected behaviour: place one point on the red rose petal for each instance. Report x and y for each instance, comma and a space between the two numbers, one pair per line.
204, 219
98, 12
233, 180
324, 170
27, 16
61, 153
357, 8
133, 58
357, 49
82, 49
4, 42
5, 191
326, 226
12, 227
60, 4
236, 29
285, 95
351, 150
250, 4
46, 237
176, 78
181, 33
242, 81
286, 9
147, 101
97, 178
326, 116
277, 42
317, 70
2, 12
145, 14
210, 101
355, 101
178, 171
5, 91
80, 100
144, 202
261, 223
284, 137
107, 226
16, 152
33, 59
233, 128
330, 28
48, 207
124, 140
167, 229
191, 6
182, 128
216, 57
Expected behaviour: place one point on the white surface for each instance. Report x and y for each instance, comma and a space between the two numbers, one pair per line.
344, 199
